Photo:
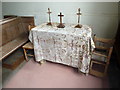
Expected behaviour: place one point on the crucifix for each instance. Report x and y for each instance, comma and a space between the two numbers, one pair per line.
49, 23
61, 25
78, 25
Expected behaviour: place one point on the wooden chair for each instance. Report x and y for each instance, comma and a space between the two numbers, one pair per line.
30, 26
28, 46
103, 50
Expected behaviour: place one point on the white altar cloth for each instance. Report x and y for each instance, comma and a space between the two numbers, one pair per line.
70, 46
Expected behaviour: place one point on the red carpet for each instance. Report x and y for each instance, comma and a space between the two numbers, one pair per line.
51, 75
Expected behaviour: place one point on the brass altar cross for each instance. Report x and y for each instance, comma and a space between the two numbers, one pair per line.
49, 23
78, 26
61, 25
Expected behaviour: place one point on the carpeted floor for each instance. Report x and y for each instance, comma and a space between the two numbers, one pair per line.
52, 75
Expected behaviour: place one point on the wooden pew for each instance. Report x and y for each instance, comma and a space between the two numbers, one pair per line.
14, 34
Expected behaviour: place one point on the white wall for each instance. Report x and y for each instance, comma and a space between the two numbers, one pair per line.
0, 10
101, 16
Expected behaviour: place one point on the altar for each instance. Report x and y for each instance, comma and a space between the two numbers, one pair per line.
70, 46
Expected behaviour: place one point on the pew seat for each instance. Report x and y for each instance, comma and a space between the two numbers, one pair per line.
11, 46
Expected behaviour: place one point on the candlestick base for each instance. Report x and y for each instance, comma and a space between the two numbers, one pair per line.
61, 25
49, 23
78, 26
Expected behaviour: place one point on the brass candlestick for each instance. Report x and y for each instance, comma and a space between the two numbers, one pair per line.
78, 25
49, 23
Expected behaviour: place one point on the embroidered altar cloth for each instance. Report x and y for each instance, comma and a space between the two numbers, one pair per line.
70, 46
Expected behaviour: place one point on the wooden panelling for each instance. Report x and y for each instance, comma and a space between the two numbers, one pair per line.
15, 64
0, 35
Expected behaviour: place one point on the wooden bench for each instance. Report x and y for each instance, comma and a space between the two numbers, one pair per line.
14, 34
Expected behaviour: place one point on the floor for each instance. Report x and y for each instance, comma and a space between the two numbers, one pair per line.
51, 75
48, 72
